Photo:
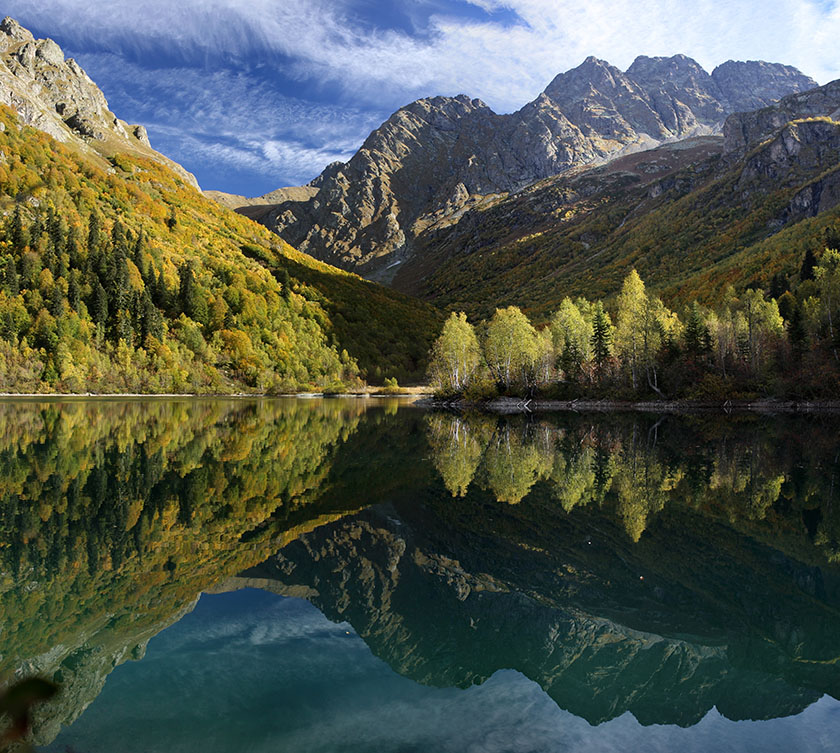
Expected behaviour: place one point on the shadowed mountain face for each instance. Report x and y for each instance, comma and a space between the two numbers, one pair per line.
692, 216
606, 560
436, 157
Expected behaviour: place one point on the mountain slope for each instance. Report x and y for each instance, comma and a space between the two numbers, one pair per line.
130, 280
692, 217
436, 157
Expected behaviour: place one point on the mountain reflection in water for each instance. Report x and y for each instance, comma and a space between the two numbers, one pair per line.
623, 563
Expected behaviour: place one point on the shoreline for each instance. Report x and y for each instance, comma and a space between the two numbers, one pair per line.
500, 405
512, 405
200, 396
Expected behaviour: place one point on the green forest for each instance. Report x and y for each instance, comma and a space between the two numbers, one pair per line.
118, 277
777, 343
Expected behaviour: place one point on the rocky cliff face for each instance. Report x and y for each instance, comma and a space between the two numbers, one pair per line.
56, 96
436, 157
745, 130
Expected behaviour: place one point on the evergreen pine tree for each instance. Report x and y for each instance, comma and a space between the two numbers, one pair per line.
58, 303
191, 301
94, 239
601, 336
806, 271
697, 335
797, 334
138, 255
17, 231
11, 283
74, 292
72, 248
285, 282
161, 297
36, 230
779, 285
100, 304
55, 231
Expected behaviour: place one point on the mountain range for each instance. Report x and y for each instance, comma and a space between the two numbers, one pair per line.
439, 158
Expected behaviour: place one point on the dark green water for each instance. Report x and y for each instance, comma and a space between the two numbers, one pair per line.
365, 576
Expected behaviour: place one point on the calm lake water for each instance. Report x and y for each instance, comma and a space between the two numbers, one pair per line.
362, 575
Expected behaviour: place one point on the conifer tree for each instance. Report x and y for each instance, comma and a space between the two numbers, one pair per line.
17, 231
602, 335
11, 283
100, 304
74, 292
94, 239
806, 271
698, 338
56, 231
191, 300
72, 248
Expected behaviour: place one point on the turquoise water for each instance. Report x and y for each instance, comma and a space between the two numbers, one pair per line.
347, 575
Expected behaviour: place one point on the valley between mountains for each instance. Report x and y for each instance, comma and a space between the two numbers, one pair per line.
119, 275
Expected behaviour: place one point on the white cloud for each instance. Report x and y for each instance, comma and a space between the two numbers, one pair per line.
229, 118
504, 64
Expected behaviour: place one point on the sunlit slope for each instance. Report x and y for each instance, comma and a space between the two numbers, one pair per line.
128, 279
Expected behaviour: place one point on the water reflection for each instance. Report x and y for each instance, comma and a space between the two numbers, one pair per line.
624, 563
752, 468
114, 516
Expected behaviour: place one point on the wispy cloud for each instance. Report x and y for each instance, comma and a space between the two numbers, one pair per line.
231, 120
503, 63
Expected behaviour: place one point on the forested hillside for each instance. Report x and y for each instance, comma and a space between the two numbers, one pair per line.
119, 277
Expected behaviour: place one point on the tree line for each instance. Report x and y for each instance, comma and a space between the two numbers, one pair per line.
780, 342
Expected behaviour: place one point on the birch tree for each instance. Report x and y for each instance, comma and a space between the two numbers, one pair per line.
511, 346
456, 355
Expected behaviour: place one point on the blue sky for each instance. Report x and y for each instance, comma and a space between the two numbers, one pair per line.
251, 95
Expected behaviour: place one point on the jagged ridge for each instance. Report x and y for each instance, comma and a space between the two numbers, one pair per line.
56, 96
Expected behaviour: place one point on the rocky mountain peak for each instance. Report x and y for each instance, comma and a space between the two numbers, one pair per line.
591, 76
13, 32
752, 84
56, 96
436, 157
677, 73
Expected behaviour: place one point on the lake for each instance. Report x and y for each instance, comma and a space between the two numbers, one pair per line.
365, 575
